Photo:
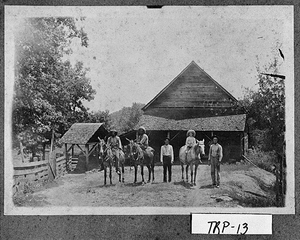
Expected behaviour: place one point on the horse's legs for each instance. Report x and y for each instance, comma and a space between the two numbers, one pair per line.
105, 174
135, 172
182, 170
196, 167
142, 172
187, 173
123, 170
120, 176
192, 171
110, 175
152, 167
149, 172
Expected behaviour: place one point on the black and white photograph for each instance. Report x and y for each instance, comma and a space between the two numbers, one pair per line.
132, 110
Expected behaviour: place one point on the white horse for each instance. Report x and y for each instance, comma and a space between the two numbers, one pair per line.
191, 158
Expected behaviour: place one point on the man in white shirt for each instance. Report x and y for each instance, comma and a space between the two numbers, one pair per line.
167, 158
215, 157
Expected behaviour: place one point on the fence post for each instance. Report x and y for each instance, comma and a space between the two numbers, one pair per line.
52, 165
44, 152
52, 157
22, 151
281, 181
86, 157
66, 156
277, 186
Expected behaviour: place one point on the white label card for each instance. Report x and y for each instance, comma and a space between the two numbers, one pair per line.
237, 224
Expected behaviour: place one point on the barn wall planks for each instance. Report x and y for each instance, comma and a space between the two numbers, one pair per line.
193, 88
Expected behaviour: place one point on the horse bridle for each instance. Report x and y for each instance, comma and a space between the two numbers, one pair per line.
131, 145
102, 143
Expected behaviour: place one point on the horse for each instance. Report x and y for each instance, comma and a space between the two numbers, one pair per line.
109, 158
191, 159
106, 155
140, 157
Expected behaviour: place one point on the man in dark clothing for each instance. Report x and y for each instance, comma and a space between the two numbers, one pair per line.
167, 159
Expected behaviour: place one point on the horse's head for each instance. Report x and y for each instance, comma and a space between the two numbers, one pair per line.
133, 149
126, 150
101, 147
199, 147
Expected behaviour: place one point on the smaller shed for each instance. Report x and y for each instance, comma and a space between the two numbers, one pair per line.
85, 137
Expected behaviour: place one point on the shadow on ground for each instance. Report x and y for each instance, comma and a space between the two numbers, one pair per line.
134, 184
184, 184
209, 186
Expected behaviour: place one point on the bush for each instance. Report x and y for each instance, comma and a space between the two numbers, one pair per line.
264, 160
261, 139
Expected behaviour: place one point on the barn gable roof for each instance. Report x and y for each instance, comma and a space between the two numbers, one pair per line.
83, 133
201, 71
232, 123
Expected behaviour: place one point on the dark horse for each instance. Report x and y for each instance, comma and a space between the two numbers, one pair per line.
142, 158
107, 156
191, 159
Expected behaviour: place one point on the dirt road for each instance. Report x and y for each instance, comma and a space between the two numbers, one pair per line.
239, 184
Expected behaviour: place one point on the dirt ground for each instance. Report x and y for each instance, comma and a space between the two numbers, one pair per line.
241, 186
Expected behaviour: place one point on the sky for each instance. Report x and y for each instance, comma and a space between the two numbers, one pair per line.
134, 52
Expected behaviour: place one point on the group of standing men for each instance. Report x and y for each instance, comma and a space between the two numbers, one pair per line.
167, 153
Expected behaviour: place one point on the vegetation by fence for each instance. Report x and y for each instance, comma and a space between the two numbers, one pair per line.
32, 172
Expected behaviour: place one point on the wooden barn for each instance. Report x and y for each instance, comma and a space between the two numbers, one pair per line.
194, 100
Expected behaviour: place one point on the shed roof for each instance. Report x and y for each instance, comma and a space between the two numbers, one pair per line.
222, 123
83, 133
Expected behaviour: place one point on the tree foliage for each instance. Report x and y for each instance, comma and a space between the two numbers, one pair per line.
127, 118
266, 109
48, 90
100, 117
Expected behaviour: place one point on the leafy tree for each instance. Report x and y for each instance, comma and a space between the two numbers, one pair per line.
48, 90
100, 116
127, 118
266, 108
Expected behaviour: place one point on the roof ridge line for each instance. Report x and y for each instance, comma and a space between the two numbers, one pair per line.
202, 70
218, 84
170, 83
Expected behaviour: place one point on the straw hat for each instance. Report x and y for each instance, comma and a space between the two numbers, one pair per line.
142, 128
113, 131
191, 131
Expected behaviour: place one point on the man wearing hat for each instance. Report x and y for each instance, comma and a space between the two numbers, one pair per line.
142, 138
116, 146
215, 157
167, 158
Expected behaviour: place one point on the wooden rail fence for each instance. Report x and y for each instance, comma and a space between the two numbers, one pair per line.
31, 172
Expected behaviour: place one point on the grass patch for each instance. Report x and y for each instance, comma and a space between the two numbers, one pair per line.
264, 160
255, 201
